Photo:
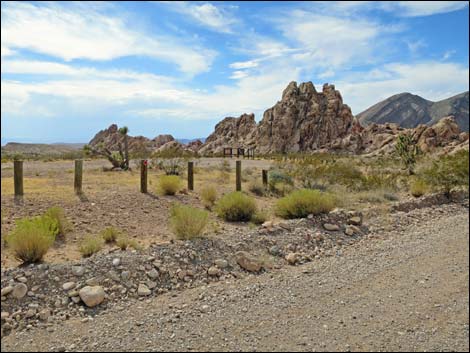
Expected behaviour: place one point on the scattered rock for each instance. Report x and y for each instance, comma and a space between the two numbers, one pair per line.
221, 263
92, 296
248, 262
68, 286
213, 271
19, 291
357, 221
292, 258
143, 290
331, 227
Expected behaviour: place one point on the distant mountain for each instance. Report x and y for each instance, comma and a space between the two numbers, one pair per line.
41, 149
409, 110
186, 141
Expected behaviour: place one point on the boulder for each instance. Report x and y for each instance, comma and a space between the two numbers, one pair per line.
92, 296
248, 262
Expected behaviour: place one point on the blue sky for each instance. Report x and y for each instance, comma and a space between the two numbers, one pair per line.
70, 69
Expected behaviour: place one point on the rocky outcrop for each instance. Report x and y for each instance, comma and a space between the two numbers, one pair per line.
160, 140
381, 138
304, 120
111, 138
231, 132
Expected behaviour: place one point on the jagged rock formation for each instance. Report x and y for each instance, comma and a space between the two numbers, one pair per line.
409, 111
304, 119
231, 132
160, 140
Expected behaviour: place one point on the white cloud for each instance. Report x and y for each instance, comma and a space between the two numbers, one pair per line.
431, 80
75, 32
244, 64
239, 74
426, 8
398, 8
216, 18
5, 51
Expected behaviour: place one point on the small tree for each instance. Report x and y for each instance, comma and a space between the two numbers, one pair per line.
124, 131
117, 159
408, 151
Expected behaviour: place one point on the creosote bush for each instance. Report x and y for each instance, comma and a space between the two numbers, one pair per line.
303, 202
236, 206
32, 238
448, 172
58, 214
187, 222
169, 184
259, 217
91, 245
208, 196
110, 234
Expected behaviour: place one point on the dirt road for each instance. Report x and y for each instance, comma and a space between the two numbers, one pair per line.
402, 291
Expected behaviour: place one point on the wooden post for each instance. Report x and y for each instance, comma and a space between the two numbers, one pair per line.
265, 178
238, 175
18, 177
77, 180
143, 176
190, 176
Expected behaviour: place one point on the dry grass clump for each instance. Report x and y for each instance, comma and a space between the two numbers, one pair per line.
303, 202
91, 245
418, 187
58, 214
110, 234
123, 242
187, 222
32, 238
259, 217
209, 196
169, 184
236, 206
257, 188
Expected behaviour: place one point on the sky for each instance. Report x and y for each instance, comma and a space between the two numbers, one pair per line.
70, 69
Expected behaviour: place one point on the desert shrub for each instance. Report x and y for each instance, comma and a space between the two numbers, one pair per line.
110, 234
303, 202
169, 184
187, 222
209, 196
259, 217
378, 180
418, 187
58, 214
257, 187
91, 245
448, 172
236, 206
408, 151
171, 166
277, 176
32, 237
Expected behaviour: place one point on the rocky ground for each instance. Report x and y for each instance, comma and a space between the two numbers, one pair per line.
400, 283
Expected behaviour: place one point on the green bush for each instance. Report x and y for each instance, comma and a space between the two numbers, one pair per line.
58, 214
169, 184
91, 245
110, 234
303, 202
208, 196
236, 206
448, 172
418, 187
32, 238
187, 222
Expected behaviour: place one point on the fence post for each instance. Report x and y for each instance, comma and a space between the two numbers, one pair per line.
265, 178
238, 175
77, 180
143, 176
190, 176
18, 177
